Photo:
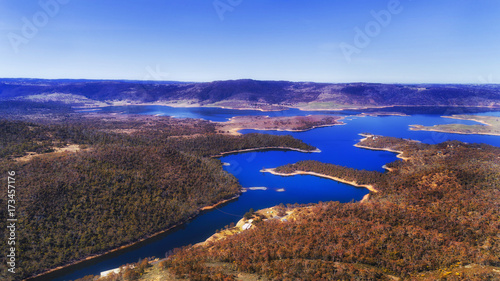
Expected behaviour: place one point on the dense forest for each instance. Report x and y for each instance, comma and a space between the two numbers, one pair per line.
435, 217
130, 177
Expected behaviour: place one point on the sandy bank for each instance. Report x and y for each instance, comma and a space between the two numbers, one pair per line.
235, 131
195, 103
400, 153
431, 129
457, 117
266, 148
365, 198
353, 107
266, 214
353, 183
387, 168
218, 203
442, 128
261, 123
175, 104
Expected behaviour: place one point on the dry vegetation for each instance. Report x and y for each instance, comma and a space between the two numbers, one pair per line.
436, 217
118, 188
285, 123
491, 126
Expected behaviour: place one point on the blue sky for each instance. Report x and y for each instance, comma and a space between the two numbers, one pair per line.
406, 41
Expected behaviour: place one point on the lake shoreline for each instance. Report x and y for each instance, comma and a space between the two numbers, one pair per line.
399, 152
180, 104
291, 123
200, 210
265, 148
235, 132
440, 129
206, 208
367, 186
303, 108
421, 128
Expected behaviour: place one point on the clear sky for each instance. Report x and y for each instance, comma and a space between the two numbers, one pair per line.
406, 41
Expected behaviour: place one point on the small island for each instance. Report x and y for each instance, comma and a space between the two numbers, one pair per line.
491, 126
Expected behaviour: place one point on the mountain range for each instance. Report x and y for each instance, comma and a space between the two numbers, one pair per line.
247, 93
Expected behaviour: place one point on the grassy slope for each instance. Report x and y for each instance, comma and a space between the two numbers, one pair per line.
491, 126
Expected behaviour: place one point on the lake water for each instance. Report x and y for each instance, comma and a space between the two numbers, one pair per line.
207, 113
336, 145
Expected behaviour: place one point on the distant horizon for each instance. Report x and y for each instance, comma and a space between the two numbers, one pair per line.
240, 79
377, 41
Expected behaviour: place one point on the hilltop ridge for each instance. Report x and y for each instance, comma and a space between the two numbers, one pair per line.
247, 93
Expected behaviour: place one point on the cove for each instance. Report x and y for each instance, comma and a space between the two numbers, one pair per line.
336, 145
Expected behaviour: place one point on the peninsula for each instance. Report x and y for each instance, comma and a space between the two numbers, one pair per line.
81, 171
284, 123
431, 218
491, 126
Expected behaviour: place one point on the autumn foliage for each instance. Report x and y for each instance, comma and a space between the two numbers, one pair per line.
133, 177
436, 211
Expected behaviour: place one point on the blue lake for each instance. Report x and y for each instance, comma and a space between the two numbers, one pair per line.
207, 113
336, 145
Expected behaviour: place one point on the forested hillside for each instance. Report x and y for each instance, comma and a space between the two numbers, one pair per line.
348, 174
435, 217
127, 178
247, 93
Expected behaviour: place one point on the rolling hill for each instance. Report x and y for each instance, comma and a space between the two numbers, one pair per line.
247, 93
